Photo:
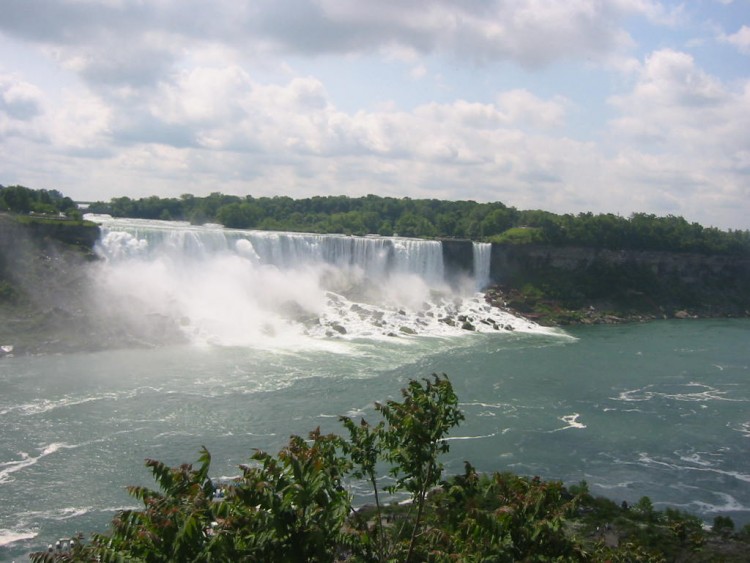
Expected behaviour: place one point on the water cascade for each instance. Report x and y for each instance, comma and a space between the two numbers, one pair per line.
237, 287
482, 253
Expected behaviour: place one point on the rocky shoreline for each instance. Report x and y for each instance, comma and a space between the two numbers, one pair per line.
552, 313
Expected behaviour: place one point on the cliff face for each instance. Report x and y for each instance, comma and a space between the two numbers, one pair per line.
510, 260
28, 244
707, 284
75, 233
13, 230
43, 284
458, 258
50, 301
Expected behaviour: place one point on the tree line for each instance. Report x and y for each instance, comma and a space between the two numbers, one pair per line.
433, 218
20, 199
423, 218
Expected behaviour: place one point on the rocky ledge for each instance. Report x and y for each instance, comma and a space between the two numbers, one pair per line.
546, 311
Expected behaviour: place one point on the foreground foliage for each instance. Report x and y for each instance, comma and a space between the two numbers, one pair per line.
295, 506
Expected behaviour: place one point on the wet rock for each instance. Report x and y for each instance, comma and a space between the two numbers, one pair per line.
360, 311
338, 328
407, 330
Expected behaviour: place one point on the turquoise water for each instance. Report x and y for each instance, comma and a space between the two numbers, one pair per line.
657, 409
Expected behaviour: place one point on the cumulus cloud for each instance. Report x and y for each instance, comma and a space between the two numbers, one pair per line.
116, 42
82, 126
675, 101
740, 40
521, 106
690, 130
19, 100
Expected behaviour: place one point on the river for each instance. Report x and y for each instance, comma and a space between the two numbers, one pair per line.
658, 409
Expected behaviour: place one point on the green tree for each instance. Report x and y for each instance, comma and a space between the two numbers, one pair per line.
415, 436
497, 221
18, 198
364, 448
238, 215
175, 523
413, 225
290, 507
723, 525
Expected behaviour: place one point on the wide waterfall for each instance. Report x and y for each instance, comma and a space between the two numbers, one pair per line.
240, 287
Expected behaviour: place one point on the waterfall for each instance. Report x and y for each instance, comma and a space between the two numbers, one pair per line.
377, 257
482, 252
232, 287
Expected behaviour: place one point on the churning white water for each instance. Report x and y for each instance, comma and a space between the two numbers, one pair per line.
235, 287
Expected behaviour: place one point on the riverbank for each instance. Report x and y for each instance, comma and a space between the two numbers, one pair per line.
535, 306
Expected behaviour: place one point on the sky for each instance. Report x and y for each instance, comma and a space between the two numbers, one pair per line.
609, 106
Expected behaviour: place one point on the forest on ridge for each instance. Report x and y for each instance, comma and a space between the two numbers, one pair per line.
422, 218
433, 218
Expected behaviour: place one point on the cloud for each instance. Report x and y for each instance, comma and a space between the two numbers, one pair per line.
19, 100
521, 106
418, 72
532, 33
674, 101
683, 132
740, 40
111, 43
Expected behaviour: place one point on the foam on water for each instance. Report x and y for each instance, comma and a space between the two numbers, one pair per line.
743, 428
47, 405
8, 537
7, 468
480, 437
693, 392
646, 460
572, 422
27, 528
727, 503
